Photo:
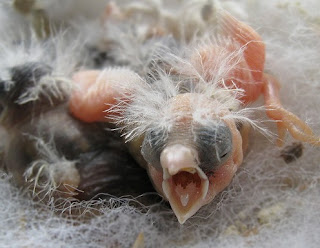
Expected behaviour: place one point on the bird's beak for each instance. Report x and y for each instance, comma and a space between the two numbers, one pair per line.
184, 184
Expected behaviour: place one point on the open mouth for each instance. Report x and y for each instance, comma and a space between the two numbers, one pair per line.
185, 191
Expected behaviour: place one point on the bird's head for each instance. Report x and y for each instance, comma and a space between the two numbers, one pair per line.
187, 139
197, 158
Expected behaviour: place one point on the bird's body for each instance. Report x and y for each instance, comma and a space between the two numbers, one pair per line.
182, 113
185, 125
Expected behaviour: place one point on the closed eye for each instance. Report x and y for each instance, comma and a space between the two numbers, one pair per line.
224, 155
214, 143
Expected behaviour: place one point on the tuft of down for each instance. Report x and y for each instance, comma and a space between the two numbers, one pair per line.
268, 204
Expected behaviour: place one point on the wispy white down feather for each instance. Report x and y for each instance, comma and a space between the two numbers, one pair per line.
269, 203
145, 107
61, 55
148, 107
46, 175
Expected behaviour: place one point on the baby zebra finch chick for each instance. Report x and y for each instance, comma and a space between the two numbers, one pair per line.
54, 154
190, 135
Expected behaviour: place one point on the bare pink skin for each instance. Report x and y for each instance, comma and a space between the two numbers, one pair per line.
89, 102
251, 71
95, 92
221, 177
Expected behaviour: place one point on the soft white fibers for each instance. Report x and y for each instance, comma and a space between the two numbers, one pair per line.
268, 204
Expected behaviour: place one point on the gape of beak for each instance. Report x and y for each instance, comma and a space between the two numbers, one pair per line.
184, 184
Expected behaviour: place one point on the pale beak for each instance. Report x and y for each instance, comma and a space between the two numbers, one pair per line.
184, 184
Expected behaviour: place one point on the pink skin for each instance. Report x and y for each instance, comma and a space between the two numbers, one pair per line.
287, 121
223, 176
87, 104
248, 75
96, 91
218, 180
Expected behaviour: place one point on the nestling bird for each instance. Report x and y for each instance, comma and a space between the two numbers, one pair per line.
43, 147
187, 126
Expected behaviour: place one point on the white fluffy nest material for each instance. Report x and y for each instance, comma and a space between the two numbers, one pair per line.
268, 204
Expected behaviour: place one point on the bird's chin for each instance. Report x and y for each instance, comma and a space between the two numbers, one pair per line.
185, 191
